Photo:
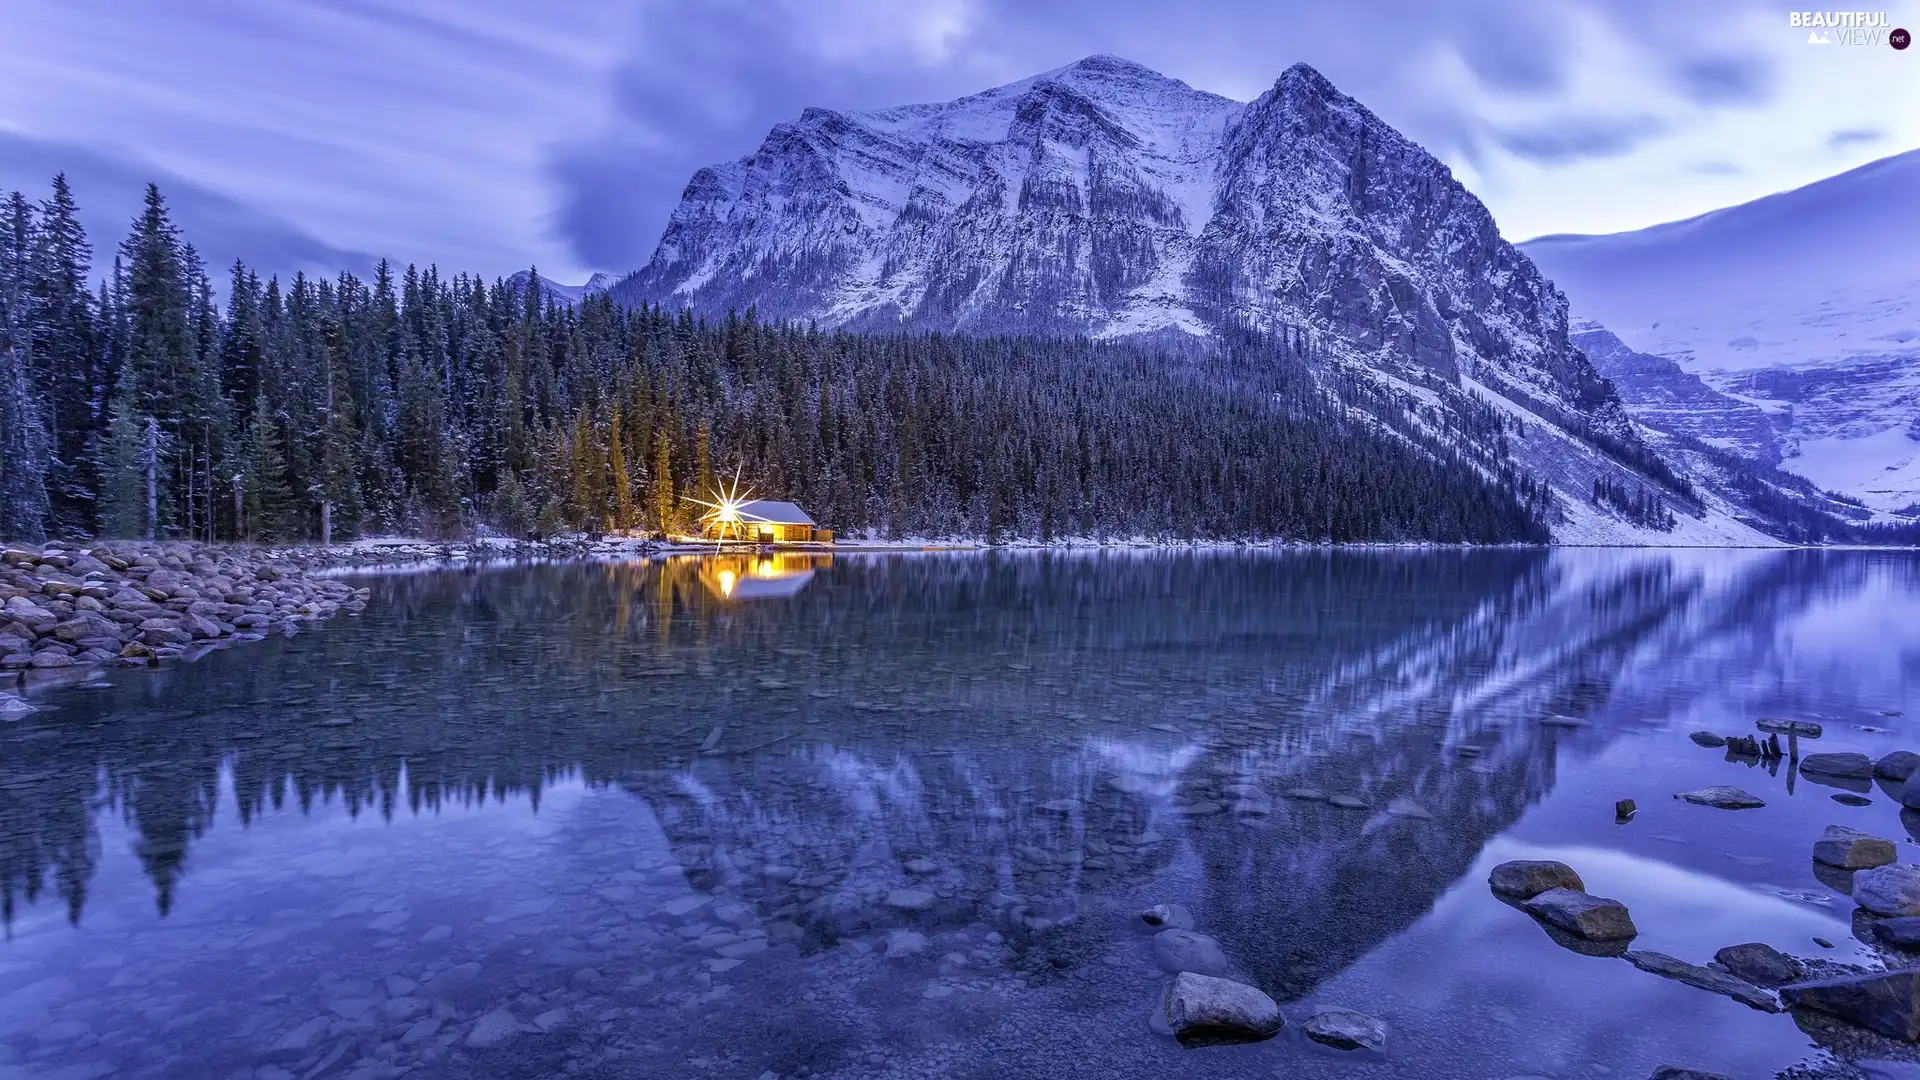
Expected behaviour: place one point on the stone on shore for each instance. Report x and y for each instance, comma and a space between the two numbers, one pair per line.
1889, 890
1202, 1006
1851, 849
1887, 1002
1176, 951
1759, 964
1848, 766
1898, 765
1705, 978
1594, 918
1723, 797
1344, 1029
1528, 878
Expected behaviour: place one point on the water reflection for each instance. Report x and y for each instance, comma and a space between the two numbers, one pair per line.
985, 752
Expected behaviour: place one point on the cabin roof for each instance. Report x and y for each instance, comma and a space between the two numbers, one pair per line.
770, 512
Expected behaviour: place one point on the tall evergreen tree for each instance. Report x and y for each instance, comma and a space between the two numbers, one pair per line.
68, 358
25, 448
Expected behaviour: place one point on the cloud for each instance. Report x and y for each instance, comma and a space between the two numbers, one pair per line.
1854, 137
1726, 80
1715, 168
110, 189
1570, 138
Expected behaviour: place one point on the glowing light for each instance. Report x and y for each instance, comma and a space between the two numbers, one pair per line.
723, 512
726, 582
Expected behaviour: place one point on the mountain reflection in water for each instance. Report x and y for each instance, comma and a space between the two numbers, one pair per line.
833, 749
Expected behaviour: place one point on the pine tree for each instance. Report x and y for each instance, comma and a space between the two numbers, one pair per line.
67, 357
25, 449
617, 474
267, 499
664, 503
121, 450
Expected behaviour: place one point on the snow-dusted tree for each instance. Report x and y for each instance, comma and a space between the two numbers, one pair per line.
25, 449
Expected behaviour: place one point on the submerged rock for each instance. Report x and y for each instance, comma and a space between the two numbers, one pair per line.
1848, 798
1594, 918
1898, 765
1176, 951
1528, 878
1759, 964
1205, 1007
1887, 1002
1889, 890
1806, 729
1344, 1029
1723, 797
1707, 738
1705, 978
1743, 746
1851, 849
1168, 916
1849, 765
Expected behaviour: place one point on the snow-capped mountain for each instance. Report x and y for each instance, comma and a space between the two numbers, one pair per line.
595, 285
1103, 198
1805, 304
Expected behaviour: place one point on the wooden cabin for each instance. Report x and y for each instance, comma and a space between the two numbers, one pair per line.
765, 521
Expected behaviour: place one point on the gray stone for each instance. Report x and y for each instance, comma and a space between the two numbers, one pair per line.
910, 900
1183, 950
1168, 916
1723, 797
1901, 933
1705, 978
1806, 729
1759, 964
423, 1029
1909, 792
903, 943
1344, 1029
1595, 918
299, 1042
494, 1028
1848, 766
1851, 849
1202, 1006
1707, 738
1889, 890
1528, 878
1405, 808
1888, 1002
1898, 765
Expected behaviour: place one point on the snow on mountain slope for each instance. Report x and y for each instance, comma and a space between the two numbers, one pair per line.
598, 283
1805, 304
1106, 199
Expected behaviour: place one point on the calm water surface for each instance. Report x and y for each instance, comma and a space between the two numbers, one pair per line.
896, 816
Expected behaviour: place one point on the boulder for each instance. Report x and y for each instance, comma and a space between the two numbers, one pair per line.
1887, 1002
1176, 951
1889, 890
1707, 738
1851, 849
1806, 729
1723, 797
1743, 746
1898, 765
494, 1028
1528, 878
1594, 918
1848, 766
1705, 978
1761, 965
1201, 1006
1908, 793
1901, 933
1168, 917
1344, 1029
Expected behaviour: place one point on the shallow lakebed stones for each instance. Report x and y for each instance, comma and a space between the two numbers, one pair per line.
1168, 917
1528, 878
1723, 797
1594, 918
1887, 1002
1889, 890
1806, 729
1205, 1007
1177, 951
1898, 765
1705, 978
1851, 849
1849, 766
1344, 1029
1759, 964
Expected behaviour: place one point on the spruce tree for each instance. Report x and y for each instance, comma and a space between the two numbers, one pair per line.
121, 450
617, 474
664, 503
68, 358
25, 448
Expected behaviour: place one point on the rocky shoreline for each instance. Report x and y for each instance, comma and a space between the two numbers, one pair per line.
131, 602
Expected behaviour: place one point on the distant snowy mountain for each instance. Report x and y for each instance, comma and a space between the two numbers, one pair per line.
1106, 199
596, 284
1804, 304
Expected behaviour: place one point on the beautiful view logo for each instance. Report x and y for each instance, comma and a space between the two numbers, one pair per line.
1843, 27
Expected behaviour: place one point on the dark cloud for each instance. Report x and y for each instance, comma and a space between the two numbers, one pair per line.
110, 188
1726, 80
1854, 137
1571, 138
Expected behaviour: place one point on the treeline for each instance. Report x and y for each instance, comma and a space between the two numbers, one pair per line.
1640, 506
319, 409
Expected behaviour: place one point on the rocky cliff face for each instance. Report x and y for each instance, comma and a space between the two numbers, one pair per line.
1665, 398
1105, 198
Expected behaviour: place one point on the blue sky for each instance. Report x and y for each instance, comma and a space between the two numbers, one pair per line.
489, 135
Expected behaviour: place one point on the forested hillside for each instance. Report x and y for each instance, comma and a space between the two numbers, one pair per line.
159, 404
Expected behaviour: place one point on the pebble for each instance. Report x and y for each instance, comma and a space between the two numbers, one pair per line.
1723, 797
1344, 1029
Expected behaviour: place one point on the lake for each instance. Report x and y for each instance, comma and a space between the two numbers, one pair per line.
897, 815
